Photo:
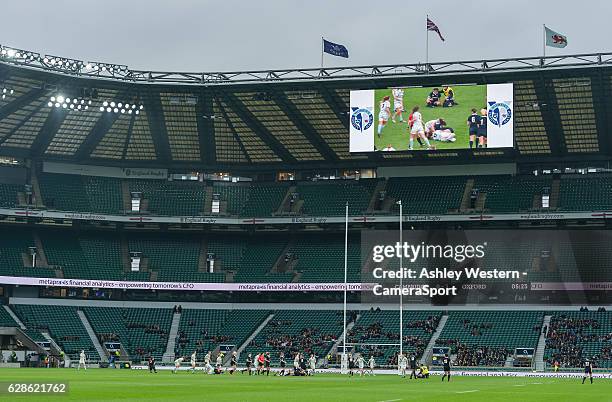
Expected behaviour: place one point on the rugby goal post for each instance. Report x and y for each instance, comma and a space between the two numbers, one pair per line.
362, 348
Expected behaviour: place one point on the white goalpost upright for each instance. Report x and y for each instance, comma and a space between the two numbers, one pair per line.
401, 301
344, 358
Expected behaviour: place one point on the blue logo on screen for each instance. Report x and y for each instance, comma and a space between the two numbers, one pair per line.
361, 119
500, 113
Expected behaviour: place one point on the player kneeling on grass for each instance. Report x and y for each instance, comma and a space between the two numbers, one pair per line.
588, 371
423, 372
449, 97
446, 364
177, 364
433, 100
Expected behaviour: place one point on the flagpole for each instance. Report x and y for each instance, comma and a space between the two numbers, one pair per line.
427, 45
345, 278
544, 40
322, 50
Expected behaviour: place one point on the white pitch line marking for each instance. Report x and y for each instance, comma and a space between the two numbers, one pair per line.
519, 385
391, 400
465, 392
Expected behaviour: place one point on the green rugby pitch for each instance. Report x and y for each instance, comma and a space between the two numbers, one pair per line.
132, 385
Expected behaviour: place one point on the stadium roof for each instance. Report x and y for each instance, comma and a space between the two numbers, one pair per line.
279, 119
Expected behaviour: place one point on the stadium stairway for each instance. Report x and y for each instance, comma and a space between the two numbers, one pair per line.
336, 345
14, 317
36, 193
57, 347
126, 197
540, 365
168, 355
286, 208
376, 205
465, 199
555, 190
280, 265
428, 353
41, 256
248, 340
92, 335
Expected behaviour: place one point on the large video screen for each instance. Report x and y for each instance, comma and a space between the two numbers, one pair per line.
430, 118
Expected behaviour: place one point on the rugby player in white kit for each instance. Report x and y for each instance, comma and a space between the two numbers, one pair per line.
418, 129
383, 114
398, 104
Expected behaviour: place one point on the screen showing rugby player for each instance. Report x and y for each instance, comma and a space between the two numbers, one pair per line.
430, 118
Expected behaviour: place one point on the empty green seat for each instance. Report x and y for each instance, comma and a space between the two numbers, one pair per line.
8, 195
427, 195
329, 198
62, 323
81, 193
142, 332
585, 193
175, 198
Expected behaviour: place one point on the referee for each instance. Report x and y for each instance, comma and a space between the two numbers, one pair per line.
588, 371
446, 363
413, 366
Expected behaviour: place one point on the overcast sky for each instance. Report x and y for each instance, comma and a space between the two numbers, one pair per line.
230, 35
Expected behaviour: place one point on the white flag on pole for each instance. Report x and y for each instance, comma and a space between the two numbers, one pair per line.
555, 39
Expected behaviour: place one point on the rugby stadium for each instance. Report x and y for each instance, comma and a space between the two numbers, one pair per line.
161, 232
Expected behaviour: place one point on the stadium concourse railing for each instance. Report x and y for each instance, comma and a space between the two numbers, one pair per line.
301, 220
119, 72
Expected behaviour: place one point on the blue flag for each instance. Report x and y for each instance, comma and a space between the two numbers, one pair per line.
335, 49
